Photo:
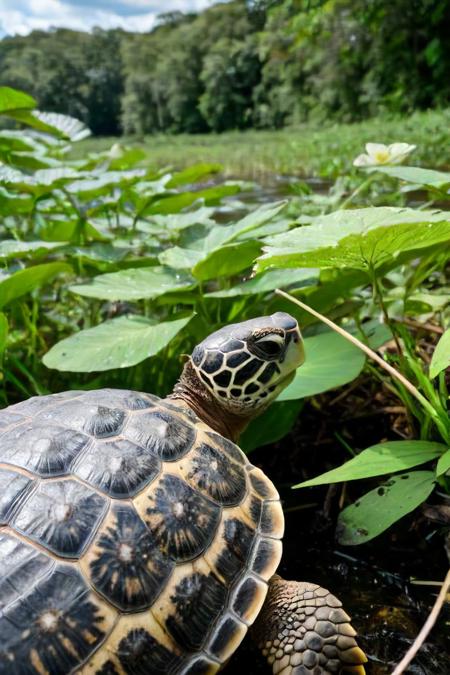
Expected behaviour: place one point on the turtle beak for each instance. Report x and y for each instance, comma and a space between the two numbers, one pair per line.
295, 351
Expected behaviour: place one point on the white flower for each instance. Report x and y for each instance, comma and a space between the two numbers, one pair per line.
115, 151
378, 153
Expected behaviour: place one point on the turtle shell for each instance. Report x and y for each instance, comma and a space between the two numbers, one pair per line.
133, 538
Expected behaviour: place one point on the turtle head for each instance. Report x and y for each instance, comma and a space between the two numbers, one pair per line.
246, 365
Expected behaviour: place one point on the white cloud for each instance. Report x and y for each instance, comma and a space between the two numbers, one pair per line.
22, 16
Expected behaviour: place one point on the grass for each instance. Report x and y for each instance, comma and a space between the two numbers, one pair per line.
307, 150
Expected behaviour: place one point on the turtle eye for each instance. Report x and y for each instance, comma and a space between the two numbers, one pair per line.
270, 346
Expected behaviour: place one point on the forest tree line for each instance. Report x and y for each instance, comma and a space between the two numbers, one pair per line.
240, 64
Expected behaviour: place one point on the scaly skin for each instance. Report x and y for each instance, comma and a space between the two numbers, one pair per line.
303, 630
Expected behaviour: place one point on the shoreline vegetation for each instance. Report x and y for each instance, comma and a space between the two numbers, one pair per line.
302, 151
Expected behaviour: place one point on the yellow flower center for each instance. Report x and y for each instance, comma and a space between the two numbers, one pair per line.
382, 156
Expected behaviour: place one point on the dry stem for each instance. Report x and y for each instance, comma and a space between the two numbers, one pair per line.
427, 626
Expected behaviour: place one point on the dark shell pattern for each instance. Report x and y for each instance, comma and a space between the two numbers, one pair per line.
134, 540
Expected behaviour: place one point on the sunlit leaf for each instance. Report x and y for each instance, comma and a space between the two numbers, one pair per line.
22, 282
227, 260
12, 99
180, 258
135, 284
443, 464
358, 238
192, 174
57, 124
380, 508
268, 281
330, 362
118, 343
441, 355
11, 248
380, 459
417, 175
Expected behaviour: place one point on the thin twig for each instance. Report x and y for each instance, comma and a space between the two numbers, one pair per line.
426, 326
427, 626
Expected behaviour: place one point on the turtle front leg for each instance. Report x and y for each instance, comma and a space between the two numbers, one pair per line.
302, 629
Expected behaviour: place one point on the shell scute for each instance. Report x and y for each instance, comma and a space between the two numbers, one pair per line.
54, 627
117, 467
190, 605
180, 519
21, 566
60, 515
13, 487
44, 449
124, 563
214, 475
162, 433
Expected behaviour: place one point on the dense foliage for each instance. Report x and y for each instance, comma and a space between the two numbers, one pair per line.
111, 271
242, 64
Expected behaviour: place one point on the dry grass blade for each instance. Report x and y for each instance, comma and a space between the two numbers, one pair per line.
427, 626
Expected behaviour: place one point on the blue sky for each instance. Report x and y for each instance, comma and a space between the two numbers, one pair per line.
22, 16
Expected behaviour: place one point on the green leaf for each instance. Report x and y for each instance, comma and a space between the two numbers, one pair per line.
12, 99
118, 343
3, 333
174, 203
135, 284
443, 464
22, 282
11, 248
59, 125
441, 355
268, 281
417, 175
193, 174
219, 236
357, 239
180, 258
380, 459
330, 362
227, 260
380, 508
11, 204
271, 426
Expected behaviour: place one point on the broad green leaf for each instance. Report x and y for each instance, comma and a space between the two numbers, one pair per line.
11, 248
193, 174
271, 426
227, 260
357, 239
180, 258
268, 281
415, 174
118, 343
443, 464
180, 221
135, 284
12, 99
330, 362
441, 355
12, 203
57, 124
251, 222
3, 333
22, 282
380, 459
176, 202
380, 508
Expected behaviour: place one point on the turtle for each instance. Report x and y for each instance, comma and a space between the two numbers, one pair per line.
136, 538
